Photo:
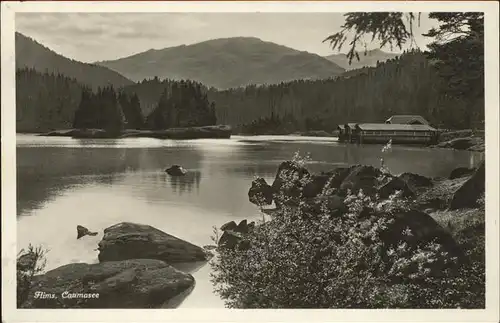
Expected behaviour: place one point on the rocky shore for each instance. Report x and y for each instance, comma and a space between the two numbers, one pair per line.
462, 140
208, 132
427, 200
134, 271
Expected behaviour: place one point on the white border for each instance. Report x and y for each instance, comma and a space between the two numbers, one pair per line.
11, 314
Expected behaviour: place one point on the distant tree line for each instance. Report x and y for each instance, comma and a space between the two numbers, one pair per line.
48, 101
45, 101
405, 85
182, 104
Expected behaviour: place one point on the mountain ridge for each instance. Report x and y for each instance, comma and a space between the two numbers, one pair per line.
366, 59
32, 54
226, 63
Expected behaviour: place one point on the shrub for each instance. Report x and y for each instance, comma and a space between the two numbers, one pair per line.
304, 259
30, 262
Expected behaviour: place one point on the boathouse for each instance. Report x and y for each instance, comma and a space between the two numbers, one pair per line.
398, 133
350, 129
407, 119
341, 131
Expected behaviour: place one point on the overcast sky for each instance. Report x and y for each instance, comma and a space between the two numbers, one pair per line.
91, 37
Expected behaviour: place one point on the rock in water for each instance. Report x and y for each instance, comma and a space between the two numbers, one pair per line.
135, 283
132, 241
260, 193
82, 231
176, 170
468, 194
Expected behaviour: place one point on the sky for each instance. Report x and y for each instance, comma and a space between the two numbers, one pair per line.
91, 37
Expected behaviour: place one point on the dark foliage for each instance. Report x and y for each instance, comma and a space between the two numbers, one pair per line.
182, 104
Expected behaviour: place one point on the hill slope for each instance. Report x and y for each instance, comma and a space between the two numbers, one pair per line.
368, 60
225, 63
31, 54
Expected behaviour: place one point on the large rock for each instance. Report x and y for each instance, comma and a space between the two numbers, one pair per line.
361, 178
289, 182
233, 235
468, 194
416, 182
395, 184
461, 172
461, 143
130, 241
417, 228
260, 193
134, 283
176, 170
315, 185
82, 231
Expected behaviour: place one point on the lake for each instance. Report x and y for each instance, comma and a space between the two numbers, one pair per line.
65, 182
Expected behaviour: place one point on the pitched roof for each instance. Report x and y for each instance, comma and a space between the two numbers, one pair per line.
406, 119
394, 127
341, 126
350, 125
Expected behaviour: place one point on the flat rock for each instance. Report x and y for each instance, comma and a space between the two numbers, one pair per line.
131, 241
134, 283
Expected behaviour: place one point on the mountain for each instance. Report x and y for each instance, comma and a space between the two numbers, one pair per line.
368, 59
31, 54
225, 63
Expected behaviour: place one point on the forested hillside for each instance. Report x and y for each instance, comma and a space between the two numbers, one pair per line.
45, 101
31, 54
404, 85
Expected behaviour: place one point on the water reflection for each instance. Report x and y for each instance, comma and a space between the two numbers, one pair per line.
219, 174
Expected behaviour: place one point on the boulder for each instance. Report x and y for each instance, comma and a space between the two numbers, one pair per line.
82, 231
415, 181
242, 227
422, 230
130, 241
315, 185
228, 226
334, 204
461, 172
337, 177
468, 194
361, 177
176, 170
260, 193
134, 283
289, 181
395, 184
229, 239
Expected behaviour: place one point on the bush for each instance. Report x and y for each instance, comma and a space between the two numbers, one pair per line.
30, 262
304, 259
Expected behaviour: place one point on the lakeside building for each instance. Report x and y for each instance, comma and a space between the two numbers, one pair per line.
402, 129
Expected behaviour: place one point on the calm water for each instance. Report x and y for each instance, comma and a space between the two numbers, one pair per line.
63, 182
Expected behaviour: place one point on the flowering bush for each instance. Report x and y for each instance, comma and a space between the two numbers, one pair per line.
320, 259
